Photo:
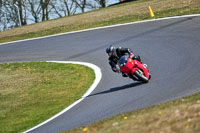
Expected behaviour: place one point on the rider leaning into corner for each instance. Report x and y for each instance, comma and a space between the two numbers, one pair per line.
116, 53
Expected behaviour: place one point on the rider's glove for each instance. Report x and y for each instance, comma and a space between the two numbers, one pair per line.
131, 55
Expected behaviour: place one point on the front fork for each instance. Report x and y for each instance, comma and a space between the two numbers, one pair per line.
139, 66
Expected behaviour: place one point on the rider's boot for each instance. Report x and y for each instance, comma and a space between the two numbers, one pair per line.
124, 75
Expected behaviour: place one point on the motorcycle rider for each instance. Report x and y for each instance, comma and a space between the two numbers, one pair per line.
116, 53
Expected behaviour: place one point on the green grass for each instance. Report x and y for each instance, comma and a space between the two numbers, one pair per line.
178, 116
34, 91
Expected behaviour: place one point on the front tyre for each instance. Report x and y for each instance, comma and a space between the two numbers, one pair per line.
140, 75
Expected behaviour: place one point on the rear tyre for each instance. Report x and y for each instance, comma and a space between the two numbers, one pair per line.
141, 76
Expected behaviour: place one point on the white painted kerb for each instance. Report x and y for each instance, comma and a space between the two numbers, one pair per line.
98, 76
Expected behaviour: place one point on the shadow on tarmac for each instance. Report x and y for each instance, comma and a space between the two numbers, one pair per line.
118, 88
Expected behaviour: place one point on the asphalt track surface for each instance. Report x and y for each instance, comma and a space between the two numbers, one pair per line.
171, 48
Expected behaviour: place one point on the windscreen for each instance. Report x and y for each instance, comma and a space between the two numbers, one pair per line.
122, 60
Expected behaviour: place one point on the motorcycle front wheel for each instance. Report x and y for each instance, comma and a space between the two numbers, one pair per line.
140, 75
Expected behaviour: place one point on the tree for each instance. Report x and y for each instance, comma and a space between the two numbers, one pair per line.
57, 7
34, 8
1, 4
102, 3
1, 16
71, 7
22, 12
45, 12
81, 4
64, 7
10, 14
15, 13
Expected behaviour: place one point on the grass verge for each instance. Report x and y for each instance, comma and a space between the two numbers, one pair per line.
129, 12
34, 91
179, 116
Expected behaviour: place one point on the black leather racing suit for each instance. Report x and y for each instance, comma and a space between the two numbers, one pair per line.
118, 53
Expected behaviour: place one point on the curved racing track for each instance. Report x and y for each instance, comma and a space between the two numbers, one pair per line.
170, 47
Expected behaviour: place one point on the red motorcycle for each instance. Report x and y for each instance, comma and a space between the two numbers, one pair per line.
134, 69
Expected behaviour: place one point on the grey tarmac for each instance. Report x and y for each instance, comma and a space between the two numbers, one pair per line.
170, 48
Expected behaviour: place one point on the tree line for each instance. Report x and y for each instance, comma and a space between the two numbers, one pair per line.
15, 13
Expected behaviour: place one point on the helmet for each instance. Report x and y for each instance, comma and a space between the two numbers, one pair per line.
110, 50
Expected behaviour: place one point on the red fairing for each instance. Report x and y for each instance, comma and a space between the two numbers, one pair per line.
140, 65
132, 65
129, 66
